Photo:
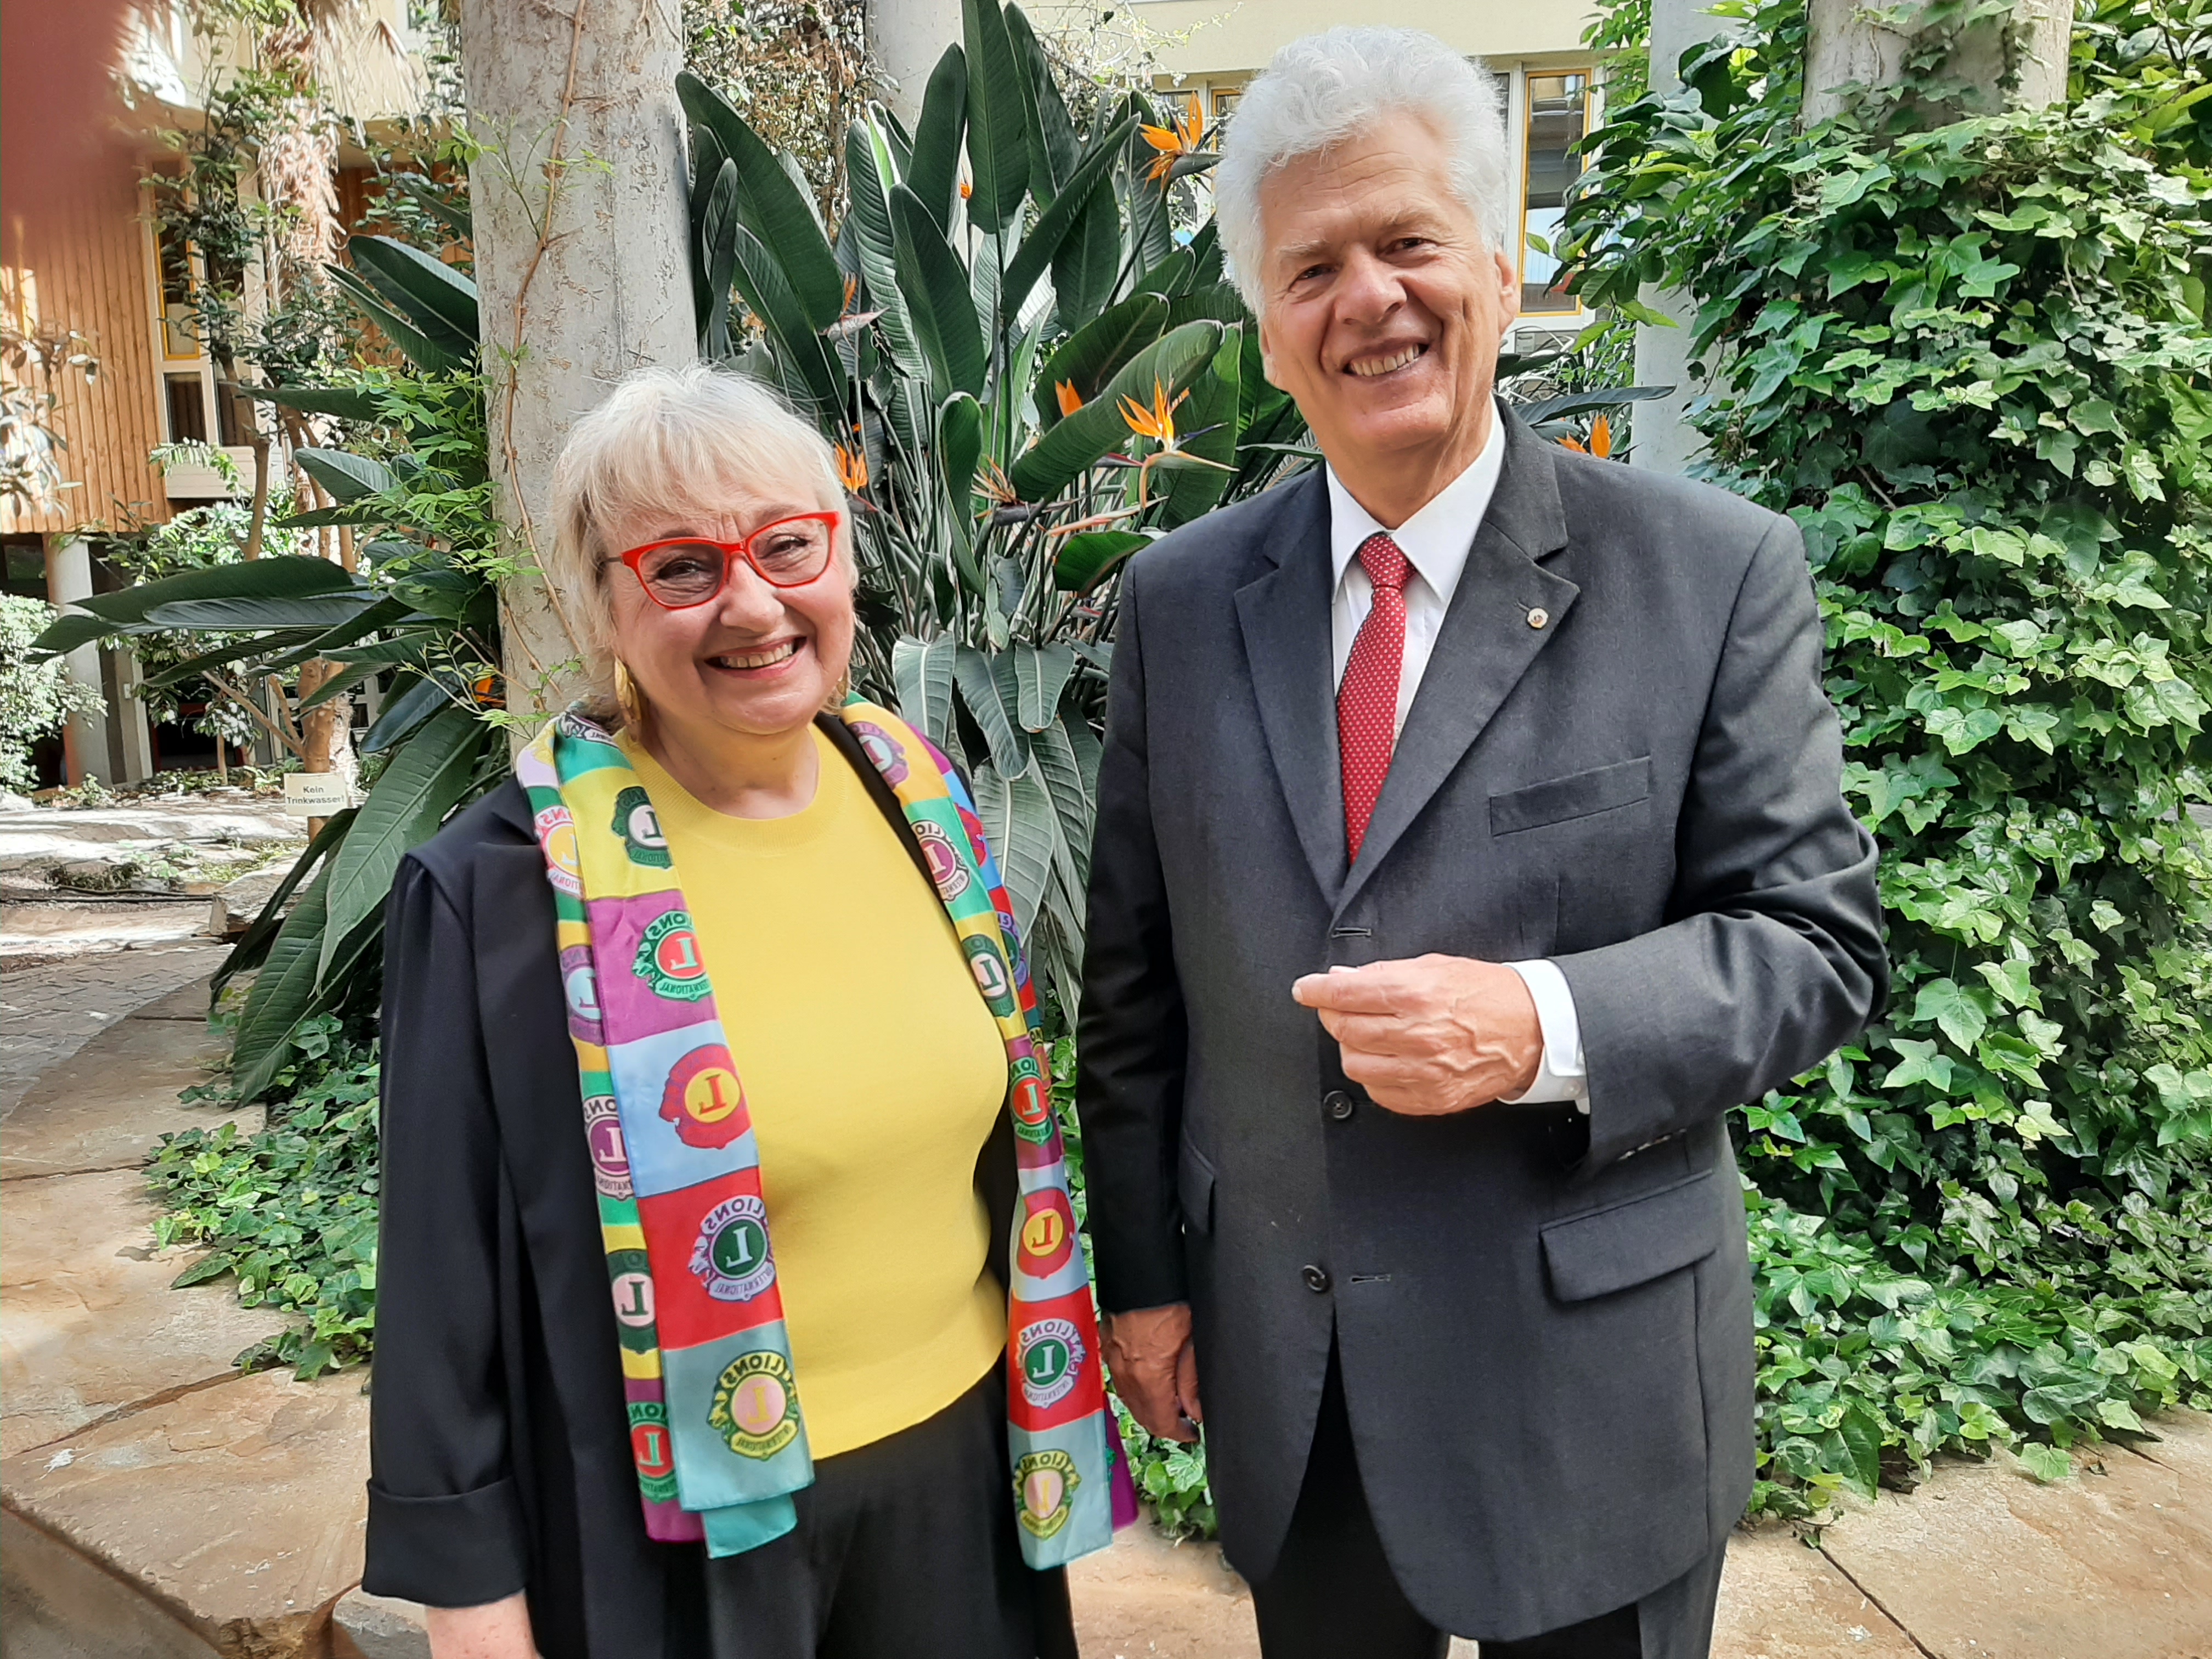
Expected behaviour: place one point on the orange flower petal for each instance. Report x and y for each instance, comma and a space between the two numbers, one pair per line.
1069, 399
1165, 138
1601, 437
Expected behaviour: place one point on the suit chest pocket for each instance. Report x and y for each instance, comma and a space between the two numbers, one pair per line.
1577, 795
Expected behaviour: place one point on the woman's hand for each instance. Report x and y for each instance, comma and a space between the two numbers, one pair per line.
497, 1630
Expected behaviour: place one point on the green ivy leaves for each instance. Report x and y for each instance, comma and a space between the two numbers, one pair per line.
1970, 361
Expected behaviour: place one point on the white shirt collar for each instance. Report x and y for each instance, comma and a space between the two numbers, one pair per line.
1436, 540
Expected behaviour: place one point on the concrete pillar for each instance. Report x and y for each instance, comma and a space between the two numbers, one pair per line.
581, 264
907, 38
126, 718
1846, 47
68, 579
1665, 440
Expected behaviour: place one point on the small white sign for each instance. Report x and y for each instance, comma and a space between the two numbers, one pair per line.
315, 794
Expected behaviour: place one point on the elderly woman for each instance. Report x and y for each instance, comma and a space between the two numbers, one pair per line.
720, 1171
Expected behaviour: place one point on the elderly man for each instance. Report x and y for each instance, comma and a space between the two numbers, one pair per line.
1469, 841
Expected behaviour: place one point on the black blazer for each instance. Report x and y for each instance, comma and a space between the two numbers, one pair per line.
498, 1441
1620, 757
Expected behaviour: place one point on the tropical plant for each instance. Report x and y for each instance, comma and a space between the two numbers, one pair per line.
37, 698
1029, 370
1973, 361
419, 619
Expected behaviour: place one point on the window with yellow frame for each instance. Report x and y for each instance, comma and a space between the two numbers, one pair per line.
1556, 111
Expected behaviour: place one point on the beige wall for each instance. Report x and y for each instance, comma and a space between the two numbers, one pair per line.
1210, 39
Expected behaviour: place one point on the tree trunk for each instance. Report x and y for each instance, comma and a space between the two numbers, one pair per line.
1846, 48
907, 38
582, 269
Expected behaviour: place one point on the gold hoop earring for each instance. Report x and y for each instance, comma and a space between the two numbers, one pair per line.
628, 698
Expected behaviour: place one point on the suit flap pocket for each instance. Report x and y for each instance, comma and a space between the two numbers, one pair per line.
1630, 1243
1575, 796
1194, 1188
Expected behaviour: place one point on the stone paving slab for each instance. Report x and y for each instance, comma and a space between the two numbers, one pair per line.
104, 1106
1983, 1562
1147, 1598
1780, 1600
237, 1508
47, 1014
54, 1604
92, 1327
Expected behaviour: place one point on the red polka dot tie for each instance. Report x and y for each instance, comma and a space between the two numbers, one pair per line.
1367, 700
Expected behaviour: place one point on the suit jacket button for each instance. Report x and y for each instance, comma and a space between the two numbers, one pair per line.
1337, 1105
1539, 617
1316, 1278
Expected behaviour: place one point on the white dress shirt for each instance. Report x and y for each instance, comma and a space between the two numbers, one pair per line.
1435, 541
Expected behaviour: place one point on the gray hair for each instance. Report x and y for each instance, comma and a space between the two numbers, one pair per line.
666, 440
1323, 89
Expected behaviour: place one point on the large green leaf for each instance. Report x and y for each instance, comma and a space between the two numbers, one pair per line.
998, 141
384, 613
1047, 236
922, 671
65, 634
771, 206
425, 352
933, 174
348, 478
1079, 441
1061, 766
411, 799
437, 300
404, 713
1040, 674
798, 347
252, 946
1084, 558
285, 988
1090, 260
282, 578
987, 688
1054, 149
869, 176
1094, 354
1213, 418
357, 403
717, 261
194, 666
937, 297
959, 449
238, 616
706, 159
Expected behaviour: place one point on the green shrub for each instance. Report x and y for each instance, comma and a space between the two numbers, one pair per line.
1970, 361
290, 1210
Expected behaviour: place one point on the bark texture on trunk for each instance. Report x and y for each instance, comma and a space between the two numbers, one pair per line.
1846, 47
582, 270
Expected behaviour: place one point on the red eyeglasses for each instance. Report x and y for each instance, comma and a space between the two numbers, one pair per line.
687, 571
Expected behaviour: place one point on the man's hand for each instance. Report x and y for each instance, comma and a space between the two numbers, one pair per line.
1156, 1369
1433, 1035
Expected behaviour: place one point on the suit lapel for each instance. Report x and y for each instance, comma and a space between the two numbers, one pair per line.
1486, 645
1285, 615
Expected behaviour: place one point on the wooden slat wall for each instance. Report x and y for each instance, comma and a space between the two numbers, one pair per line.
89, 269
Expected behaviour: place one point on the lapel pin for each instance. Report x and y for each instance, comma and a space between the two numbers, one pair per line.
1539, 617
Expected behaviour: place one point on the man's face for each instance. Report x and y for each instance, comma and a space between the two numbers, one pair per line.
1385, 310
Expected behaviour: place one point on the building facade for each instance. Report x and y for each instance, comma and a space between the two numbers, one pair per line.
88, 277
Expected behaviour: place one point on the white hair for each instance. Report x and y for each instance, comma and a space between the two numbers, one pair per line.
1323, 89
667, 440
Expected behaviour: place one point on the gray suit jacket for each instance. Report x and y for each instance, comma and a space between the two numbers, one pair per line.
1544, 1318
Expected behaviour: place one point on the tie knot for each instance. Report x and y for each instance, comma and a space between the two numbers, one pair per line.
1384, 562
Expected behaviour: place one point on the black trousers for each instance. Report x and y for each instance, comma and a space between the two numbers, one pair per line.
907, 1548
1333, 1595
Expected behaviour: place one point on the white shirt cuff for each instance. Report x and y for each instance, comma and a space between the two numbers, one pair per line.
1560, 1075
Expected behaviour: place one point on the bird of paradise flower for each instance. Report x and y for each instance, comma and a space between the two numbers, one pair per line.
1185, 137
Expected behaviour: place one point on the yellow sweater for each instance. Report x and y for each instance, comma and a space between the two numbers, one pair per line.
874, 1073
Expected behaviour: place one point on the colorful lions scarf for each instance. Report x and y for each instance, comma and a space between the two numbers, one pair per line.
715, 1425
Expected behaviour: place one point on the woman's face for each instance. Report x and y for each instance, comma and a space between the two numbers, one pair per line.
755, 659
